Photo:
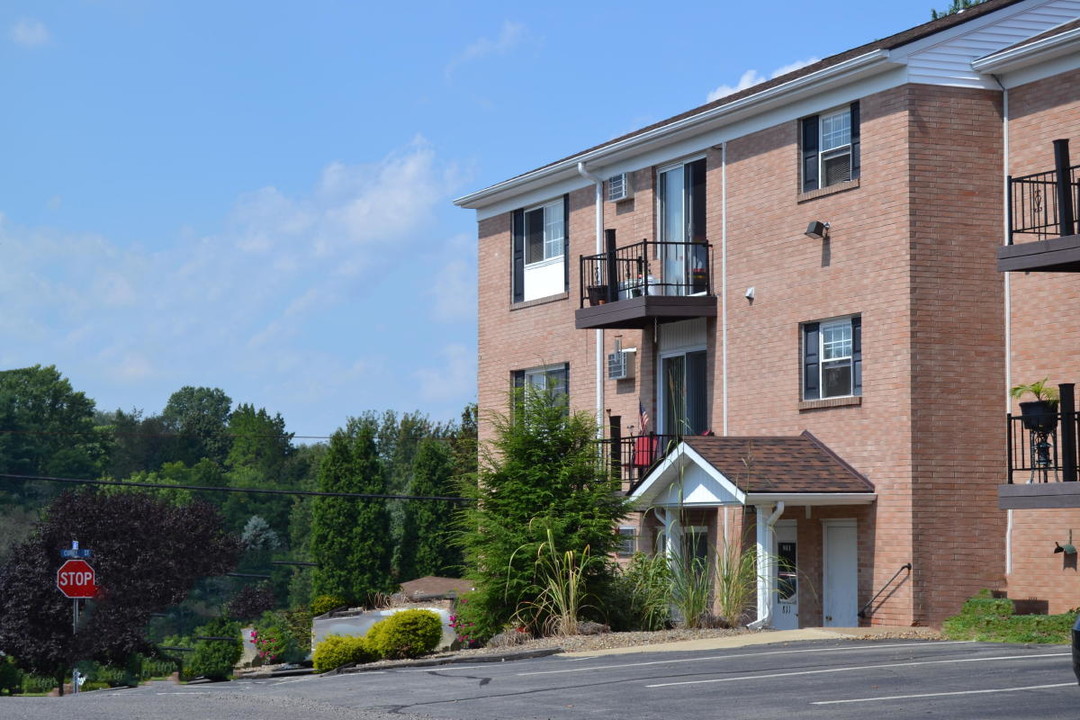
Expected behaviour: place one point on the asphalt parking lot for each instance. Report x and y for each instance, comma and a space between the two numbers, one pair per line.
822, 679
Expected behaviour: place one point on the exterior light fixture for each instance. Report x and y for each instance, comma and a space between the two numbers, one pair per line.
817, 230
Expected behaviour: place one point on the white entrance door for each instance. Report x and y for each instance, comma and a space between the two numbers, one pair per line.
841, 574
786, 601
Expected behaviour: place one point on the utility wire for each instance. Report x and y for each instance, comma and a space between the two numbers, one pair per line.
259, 491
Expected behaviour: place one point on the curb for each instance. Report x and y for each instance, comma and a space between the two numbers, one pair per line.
453, 660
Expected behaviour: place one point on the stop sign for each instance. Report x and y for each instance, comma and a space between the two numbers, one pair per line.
75, 578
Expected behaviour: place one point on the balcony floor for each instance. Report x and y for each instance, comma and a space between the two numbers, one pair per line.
1060, 254
642, 312
1039, 495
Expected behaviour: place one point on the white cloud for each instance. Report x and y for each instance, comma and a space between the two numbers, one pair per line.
453, 377
453, 289
284, 298
29, 32
753, 77
510, 36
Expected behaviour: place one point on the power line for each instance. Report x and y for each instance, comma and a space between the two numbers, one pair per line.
258, 491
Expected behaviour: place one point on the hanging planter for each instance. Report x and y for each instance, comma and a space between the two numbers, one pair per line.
1040, 414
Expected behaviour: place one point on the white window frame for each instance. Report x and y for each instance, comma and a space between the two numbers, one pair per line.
827, 151
554, 234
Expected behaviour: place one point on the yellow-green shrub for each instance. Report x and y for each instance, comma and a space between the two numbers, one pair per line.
405, 634
337, 650
325, 603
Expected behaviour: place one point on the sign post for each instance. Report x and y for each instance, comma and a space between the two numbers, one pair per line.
76, 579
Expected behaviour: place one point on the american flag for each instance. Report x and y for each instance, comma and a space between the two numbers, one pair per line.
643, 416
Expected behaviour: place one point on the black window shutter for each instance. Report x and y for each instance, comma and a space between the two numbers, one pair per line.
811, 361
695, 183
810, 153
855, 158
856, 356
566, 241
517, 282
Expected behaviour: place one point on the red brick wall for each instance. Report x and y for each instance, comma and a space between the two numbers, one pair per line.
1045, 334
957, 337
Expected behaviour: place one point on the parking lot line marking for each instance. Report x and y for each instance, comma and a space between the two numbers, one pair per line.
861, 648
793, 673
943, 694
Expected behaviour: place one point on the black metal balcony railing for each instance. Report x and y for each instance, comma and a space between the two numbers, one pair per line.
644, 269
631, 458
1044, 448
1035, 207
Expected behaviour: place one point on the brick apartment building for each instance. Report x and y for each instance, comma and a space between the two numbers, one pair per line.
798, 285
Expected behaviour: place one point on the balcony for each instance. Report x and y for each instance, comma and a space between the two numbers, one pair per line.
645, 283
631, 458
1042, 214
1042, 459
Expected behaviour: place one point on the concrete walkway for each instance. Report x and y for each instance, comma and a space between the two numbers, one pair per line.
770, 638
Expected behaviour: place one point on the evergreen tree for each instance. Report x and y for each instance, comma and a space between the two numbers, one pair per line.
350, 537
957, 6
543, 474
425, 547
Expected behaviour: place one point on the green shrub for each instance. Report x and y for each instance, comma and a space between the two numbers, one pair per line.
405, 634
38, 684
10, 676
325, 603
215, 659
334, 651
641, 594
989, 619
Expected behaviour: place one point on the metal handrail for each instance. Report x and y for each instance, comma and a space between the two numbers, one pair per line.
864, 608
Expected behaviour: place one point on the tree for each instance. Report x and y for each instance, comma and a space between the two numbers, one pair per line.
139, 444
259, 457
199, 417
957, 6
48, 428
148, 553
350, 537
425, 547
543, 475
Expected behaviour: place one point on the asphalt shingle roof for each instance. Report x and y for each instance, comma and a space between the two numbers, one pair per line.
785, 464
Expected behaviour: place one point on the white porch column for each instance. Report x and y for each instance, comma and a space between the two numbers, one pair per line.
766, 562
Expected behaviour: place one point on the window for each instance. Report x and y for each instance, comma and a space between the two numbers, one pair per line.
830, 148
627, 542
685, 402
832, 358
539, 253
681, 212
554, 379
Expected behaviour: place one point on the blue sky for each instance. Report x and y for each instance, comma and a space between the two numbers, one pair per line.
257, 196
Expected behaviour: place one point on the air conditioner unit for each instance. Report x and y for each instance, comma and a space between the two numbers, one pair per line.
619, 187
620, 365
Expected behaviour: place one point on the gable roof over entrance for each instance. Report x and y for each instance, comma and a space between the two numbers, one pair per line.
711, 471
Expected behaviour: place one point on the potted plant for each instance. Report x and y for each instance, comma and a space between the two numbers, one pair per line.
1040, 414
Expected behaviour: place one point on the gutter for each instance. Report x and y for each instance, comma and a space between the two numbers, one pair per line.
766, 565
599, 334
871, 63
1035, 52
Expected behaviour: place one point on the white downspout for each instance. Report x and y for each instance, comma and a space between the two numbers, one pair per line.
599, 333
766, 564
1008, 304
723, 290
